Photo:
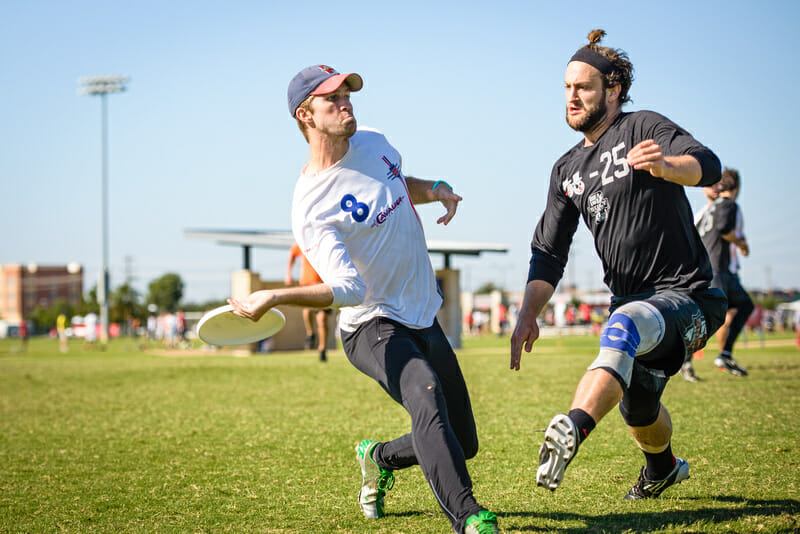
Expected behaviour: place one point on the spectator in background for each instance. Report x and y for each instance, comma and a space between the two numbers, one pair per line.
90, 321
61, 328
756, 323
797, 327
23, 335
309, 277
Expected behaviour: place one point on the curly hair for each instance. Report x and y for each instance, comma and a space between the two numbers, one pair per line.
730, 180
623, 68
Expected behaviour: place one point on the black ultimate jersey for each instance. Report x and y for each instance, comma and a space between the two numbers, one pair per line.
719, 219
643, 226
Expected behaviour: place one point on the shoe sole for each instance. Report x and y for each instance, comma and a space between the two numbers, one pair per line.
559, 447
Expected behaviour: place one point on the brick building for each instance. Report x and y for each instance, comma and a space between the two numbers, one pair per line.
22, 288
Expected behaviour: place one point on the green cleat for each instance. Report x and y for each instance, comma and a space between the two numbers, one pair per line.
375, 481
484, 522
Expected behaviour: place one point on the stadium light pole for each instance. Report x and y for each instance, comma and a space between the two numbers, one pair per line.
102, 86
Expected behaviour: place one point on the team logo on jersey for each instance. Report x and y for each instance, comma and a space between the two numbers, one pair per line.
573, 186
598, 207
696, 333
382, 215
358, 210
394, 169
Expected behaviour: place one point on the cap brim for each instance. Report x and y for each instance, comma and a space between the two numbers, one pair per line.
353, 81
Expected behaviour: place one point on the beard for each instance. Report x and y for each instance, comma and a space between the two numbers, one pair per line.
592, 116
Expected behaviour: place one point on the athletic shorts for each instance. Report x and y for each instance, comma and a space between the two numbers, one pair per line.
689, 320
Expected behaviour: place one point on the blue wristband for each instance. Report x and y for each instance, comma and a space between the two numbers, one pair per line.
438, 182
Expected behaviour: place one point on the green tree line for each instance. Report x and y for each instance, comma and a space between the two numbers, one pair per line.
125, 303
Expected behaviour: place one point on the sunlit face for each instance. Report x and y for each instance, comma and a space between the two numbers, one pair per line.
333, 113
585, 95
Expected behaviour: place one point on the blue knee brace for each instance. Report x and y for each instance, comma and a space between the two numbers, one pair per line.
634, 328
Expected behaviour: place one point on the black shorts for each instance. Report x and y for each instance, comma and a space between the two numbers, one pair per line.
689, 320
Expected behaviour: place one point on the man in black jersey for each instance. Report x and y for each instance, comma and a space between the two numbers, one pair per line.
720, 229
625, 179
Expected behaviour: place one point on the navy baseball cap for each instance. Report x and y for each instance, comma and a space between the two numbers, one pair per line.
319, 80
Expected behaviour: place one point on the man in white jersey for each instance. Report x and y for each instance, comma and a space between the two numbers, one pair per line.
354, 218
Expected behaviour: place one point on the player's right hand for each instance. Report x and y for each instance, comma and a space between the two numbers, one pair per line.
525, 334
254, 305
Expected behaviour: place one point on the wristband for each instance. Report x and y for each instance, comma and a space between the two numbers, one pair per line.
439, 182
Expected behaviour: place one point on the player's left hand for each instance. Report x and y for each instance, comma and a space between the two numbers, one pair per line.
450, 200
647, 156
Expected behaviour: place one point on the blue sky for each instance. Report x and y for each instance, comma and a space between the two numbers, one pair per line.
472, 94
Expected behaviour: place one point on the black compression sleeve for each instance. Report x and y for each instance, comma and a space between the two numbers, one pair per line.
545, 267
709, 163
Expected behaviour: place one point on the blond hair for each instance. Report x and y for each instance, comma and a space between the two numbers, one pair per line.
306, 106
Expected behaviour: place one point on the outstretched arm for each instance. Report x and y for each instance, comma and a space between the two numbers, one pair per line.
423, 191
256, 304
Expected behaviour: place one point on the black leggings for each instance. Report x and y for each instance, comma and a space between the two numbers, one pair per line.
739, 300
419, 370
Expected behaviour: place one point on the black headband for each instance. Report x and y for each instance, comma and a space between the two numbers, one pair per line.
598, 61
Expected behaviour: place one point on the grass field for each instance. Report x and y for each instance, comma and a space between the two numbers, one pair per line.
130, 441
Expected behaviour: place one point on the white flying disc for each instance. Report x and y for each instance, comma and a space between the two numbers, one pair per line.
222, 327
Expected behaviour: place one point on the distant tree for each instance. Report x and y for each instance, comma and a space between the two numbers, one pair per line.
89, 302
44, 319
166, 292
204, 306
487, 288
125, 304
768, 302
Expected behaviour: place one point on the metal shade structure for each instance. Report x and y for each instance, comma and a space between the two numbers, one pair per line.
284, 239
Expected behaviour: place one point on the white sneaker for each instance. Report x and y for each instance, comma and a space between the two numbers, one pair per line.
559, 448
687, 372
375, 482
729, 365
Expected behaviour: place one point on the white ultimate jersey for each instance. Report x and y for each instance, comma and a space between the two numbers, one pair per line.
356, 224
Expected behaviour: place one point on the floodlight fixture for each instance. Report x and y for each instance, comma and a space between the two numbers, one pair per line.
102, 86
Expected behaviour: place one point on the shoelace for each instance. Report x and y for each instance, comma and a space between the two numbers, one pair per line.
386, 480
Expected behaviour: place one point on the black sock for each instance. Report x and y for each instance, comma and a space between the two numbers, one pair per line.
659, 465
583, 421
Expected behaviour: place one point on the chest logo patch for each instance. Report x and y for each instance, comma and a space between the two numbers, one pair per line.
573, 186
394, 169
358, 210
598, 207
